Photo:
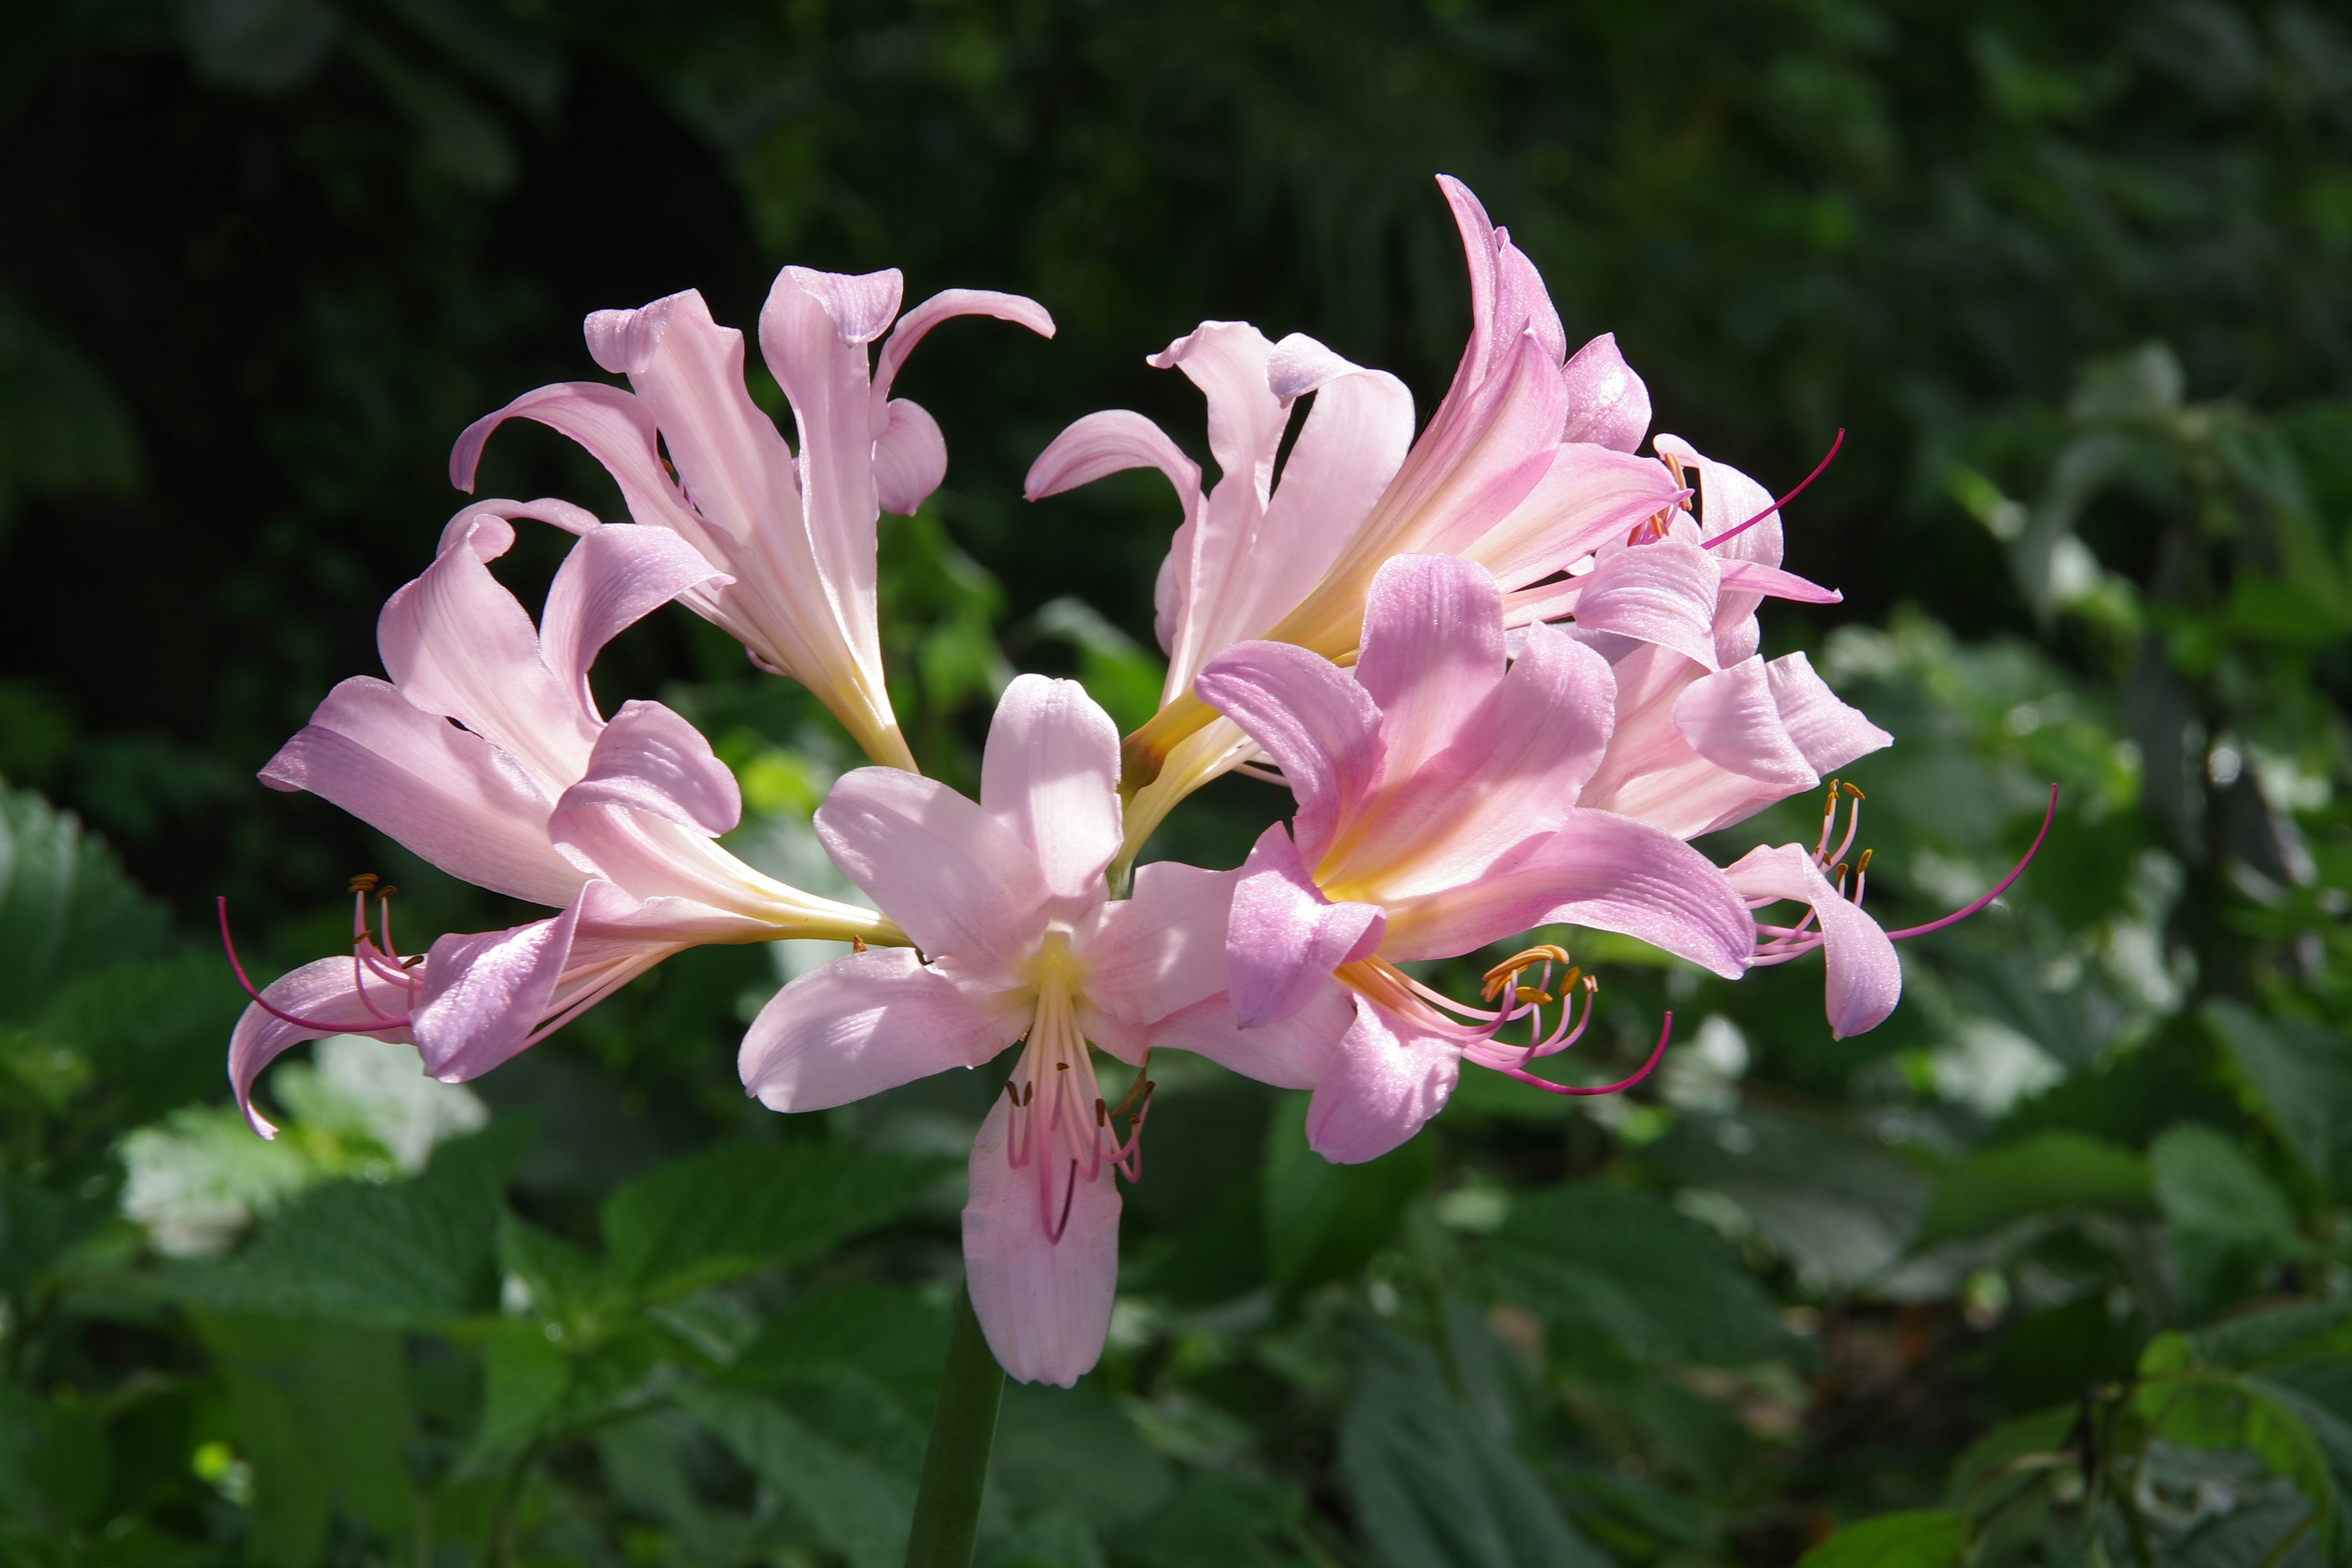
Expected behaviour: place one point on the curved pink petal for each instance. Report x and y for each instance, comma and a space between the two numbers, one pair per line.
1050, 776
1290, 1053
1771, 583
1162, 948
457, 643
1286, 938
868, 1022
1863, 978
958, 881
326, 992
1663, 591
1228, 360
1107, 443
1607, 403
1596, 869
1587, 497
615, 576
1433, 650
1728, 499
1732, 719
1828, 732
562, 514
442, 791
946, 305
1478, 460
910, 458
616, 427
649, 759
483, 993
1317, 724
813, 333
1384, 1083
1044, 1304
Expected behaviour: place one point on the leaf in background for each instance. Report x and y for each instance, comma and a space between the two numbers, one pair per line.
747, 1205
1928, 1538
2048, 1173
1431, 1484
525, 1376
322, 1417
1117, 671
894, 1336
1076, 1448
1324, 1221
407, 1255
156, 1031
1624, 1267
262, 46
53, 1461
2223, 1215
1217, 1518
66, 907
2303, 1075
62, 427
2242, 1343
850, 1504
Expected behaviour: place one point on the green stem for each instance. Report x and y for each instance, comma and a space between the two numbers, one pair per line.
955, 1465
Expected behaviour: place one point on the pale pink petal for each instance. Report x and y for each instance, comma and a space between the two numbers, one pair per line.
615, 576
484, 992
1731, 719
910, 458
442, 791
457, 643
957, 880
868, 1022
1478, 460
1433, 650
1828, 732
1728, 499
1663, 592
1489, 339
1521, 300
1162, 948
1864, 979
1596, 869
944, 305
1050, 776
649, 759
1228, 360
1044, 1304
1286, 938
1384, 1083
813, 333
1587, 497
616, 427
1771, 583
1291, 1053
326, 992
1319, 725
562, 514
1107, 443
1607, 403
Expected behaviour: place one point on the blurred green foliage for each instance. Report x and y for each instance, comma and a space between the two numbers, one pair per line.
2051, 1269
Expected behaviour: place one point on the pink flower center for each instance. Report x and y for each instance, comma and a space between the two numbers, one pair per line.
1063, 1131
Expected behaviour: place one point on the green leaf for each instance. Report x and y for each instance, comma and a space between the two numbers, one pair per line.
53, 1460
65, 907
1626, 1268
322, 1417
2048, 1173
1076, 1447
894, 1336
407, 1255
1325, 1221
1928, 1538
850, 1504
1433, 1487
2303, 1076
63, 428
747, 1205
2243, 1342
525, 1376
1218, 1519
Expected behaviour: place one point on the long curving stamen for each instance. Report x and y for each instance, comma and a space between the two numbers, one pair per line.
1784, 501
1998, 888
1665, 1032
237, 969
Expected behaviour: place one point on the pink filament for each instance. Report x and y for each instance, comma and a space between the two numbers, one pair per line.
239, 970
1665, 1032
1784, 501
1998, 888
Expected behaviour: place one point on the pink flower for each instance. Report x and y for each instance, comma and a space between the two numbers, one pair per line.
485, 755
1004, 900
1436, 791
795, 535
1526, 467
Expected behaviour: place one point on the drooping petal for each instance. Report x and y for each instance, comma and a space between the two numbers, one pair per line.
946, 305
616, 427
1693, 751
484, 992
910, 458
958, 880
1607, 403
1383, 1084
1050, 776
1106, 443
457, 643
1290, 1053
1663, 591
1433, 650
328, 992
868, 1022
1162, 948
1319, 725
1286, 938
1588, 496
1771, 583
442, 791
1732, 721
1829, 731
649, 759
613, 577
1044, 1304
1863, 978
1595, 869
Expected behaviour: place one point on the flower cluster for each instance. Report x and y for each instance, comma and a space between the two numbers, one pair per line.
1507, 669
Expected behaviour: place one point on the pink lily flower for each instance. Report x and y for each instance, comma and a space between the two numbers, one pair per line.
794, 535
1526, 467
485, 755
1437, 786
1004, 900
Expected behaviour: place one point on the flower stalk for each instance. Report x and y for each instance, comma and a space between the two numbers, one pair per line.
955, 1463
